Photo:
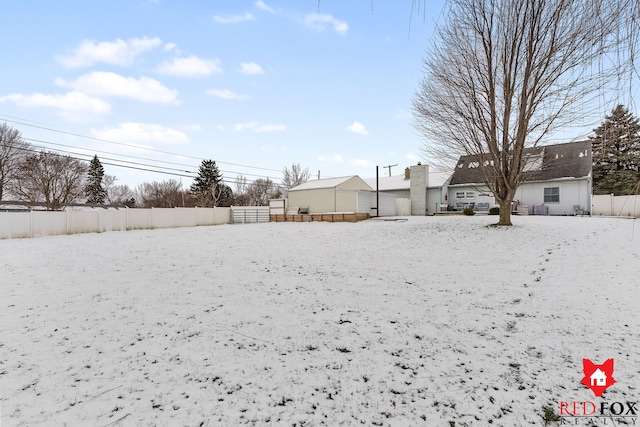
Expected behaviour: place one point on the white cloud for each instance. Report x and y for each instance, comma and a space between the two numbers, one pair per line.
263, 6
271, 128
253, 126
141, 133
190, 66
227, 94
337, 158
360, 163
104, 83
320, 22
357, 127
244, 126
117, 52
169, 47
233, 19
73, 106
251, 68
412, 157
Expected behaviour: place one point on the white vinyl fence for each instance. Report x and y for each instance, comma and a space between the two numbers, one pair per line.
46, 223
610, 205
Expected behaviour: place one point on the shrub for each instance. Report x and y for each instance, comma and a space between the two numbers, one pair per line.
494, 211
468, 211
549, 416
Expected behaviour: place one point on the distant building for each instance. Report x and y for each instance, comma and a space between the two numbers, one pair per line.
343, 194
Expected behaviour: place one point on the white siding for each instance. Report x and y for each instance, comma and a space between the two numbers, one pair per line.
572, 193
346, 201
320, 200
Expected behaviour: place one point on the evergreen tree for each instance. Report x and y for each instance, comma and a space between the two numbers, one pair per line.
207, 187
616, 154
94, 190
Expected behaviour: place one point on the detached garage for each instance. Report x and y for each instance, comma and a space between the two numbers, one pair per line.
345, 194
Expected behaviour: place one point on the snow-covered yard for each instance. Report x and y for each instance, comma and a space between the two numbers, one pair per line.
439, 321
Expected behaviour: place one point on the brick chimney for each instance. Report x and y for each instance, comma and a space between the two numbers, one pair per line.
407, 174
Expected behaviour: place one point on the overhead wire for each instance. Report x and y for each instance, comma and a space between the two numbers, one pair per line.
11, 120
128, 164
138, 166
139, 157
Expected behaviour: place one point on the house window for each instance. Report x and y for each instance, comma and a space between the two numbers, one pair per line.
465, 194
552, 195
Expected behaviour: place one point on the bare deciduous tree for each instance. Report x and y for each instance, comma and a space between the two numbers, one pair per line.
260, 191
13, 150
502, 74
118, 194
240, 192
50, 179
164, 194
294, 176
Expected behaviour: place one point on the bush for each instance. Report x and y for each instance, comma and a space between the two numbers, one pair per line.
468, 211
494, 211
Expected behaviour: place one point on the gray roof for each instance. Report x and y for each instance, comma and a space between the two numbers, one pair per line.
543, 163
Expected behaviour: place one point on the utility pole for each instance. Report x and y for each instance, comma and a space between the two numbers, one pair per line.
377, 208
389, 167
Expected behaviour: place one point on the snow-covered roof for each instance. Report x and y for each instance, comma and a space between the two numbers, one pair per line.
438, 179
388, 183
323, 183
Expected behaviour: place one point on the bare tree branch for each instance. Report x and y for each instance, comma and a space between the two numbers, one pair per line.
13, 150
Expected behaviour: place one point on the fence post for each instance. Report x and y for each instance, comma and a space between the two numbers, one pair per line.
612, 204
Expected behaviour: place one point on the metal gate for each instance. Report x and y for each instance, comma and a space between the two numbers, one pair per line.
249, 214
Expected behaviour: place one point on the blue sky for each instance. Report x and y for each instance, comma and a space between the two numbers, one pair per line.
254, 85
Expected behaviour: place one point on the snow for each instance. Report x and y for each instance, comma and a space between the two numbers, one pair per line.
315, 184
440, 319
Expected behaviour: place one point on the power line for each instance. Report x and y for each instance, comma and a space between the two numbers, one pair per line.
57, 152
127, 145
128, 164
227, 181
136, 157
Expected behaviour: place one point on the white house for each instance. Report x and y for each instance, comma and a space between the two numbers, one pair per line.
556, 181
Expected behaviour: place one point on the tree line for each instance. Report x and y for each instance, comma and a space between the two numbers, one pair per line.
54, 181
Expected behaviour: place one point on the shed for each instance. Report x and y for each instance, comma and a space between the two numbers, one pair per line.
331, 195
